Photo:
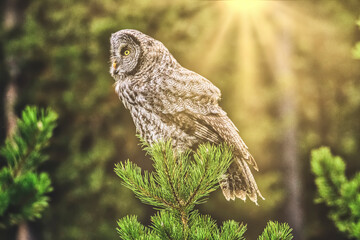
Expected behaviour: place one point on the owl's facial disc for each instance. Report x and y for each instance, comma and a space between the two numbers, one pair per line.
125, 53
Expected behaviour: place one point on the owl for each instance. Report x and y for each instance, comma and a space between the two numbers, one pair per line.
168, 101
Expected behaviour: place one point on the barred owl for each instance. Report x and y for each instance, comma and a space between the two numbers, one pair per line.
168, 101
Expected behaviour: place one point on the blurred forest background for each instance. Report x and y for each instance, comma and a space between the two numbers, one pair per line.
288, 74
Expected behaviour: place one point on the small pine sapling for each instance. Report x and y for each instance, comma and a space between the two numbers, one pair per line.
179, 182
341, 195
23, 190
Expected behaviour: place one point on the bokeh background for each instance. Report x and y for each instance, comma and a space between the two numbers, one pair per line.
286, 69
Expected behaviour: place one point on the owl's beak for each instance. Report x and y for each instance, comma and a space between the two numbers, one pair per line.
114, 69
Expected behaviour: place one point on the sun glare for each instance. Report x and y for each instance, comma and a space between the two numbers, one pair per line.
254, 27
247, 6
257, 30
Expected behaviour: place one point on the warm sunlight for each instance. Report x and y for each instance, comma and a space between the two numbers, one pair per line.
247, 6
90, 86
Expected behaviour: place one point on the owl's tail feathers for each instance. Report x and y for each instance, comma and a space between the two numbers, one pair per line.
238, 182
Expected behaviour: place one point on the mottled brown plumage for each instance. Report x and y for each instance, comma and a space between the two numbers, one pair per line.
167, 101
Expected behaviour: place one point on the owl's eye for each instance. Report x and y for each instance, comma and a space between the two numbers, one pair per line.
125, 52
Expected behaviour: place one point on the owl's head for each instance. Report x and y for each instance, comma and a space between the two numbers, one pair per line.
131, 51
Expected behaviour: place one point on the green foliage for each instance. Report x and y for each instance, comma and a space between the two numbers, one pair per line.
356, 49
63, 54
22, 190
178, 183
275, 231
341, 195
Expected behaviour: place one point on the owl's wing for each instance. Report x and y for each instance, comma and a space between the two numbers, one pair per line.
191, 102
219, 128
184, 90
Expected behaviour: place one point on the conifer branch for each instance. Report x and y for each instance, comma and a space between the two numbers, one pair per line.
167, 174
179, 181
276, 231
125, 172
193, 194
22, 190
336, 191
22, 159
181, 206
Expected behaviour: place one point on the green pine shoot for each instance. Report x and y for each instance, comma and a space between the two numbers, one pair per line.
22, 190
275, 231
341, 195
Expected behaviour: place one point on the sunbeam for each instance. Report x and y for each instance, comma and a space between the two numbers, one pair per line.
218, 41
247, 7
265, 33
247, 62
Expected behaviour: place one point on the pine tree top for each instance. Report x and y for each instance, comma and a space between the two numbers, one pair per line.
179, 182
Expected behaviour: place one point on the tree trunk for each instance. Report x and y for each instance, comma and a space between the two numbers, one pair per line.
23, 232
10, 99
13, 15
288, 115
